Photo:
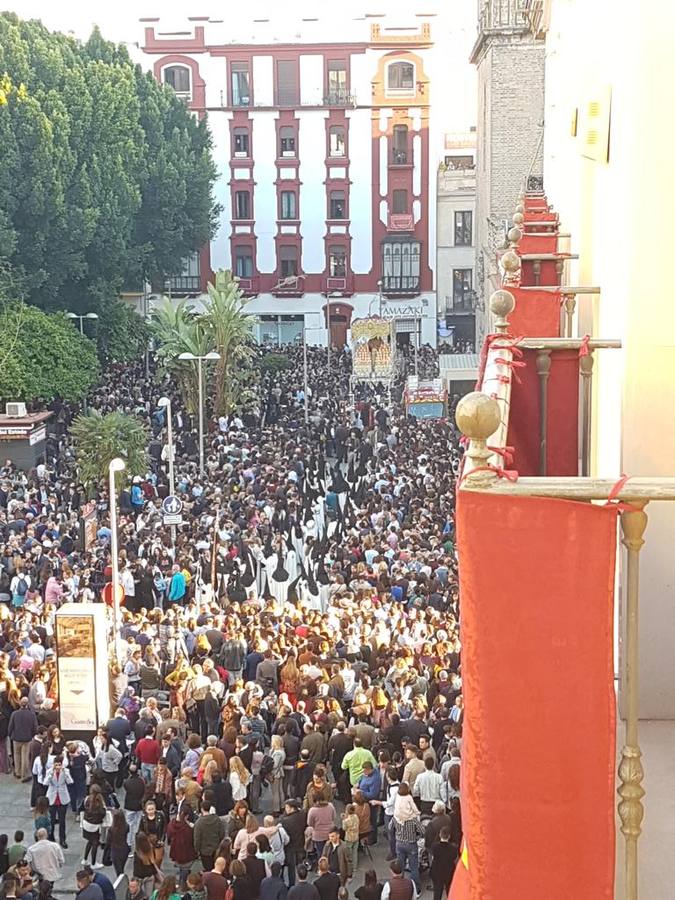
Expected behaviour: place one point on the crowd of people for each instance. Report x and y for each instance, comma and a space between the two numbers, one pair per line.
289, 689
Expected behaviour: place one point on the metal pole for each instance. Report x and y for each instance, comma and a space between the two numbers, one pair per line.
169, 436
543, 364
145, 317
201, 417
115, 565
304, 367
380, 287
84, 402
417, 337
328, 319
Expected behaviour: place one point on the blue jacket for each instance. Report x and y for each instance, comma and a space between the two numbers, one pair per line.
105, 884
370, 785
177, 587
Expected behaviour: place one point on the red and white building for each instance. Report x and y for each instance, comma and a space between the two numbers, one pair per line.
326, 178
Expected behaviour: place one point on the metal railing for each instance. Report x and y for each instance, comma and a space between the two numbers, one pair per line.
185, 284
496, 14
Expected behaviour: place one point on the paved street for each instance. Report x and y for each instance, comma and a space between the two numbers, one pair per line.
15, 813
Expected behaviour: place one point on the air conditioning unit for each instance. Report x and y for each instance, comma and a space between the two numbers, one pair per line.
15, 410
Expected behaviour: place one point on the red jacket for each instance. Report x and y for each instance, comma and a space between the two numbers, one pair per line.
148, 751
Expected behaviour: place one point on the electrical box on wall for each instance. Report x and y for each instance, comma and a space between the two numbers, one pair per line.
594, 125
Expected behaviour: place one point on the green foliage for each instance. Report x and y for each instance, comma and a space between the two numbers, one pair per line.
100, 439
43, 356
224, 326
230, 327
275, 362
122, 335
106, 178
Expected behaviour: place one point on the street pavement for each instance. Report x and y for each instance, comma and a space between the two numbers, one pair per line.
15, 813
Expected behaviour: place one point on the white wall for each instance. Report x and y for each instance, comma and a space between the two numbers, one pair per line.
360, 193
311, 78
265, 194
312, 137
219, 124
263, 80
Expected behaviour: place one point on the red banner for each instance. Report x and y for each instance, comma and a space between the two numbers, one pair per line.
537, 313
537, 582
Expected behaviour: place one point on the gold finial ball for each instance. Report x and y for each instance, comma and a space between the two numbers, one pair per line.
502, 303
518, 219
510, 262
520, 208
478, 416
514, 235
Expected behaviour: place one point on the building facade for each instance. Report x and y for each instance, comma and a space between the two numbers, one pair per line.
323, 154
509, 60
456, 244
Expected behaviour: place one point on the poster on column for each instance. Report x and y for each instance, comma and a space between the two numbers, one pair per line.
77, 672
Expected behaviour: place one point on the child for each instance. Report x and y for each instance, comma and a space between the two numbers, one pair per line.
195, 887
18, 849
350, 824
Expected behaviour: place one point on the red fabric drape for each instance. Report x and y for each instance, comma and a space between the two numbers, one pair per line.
538, 243
537, 580
562, 432
537, 314
548, 277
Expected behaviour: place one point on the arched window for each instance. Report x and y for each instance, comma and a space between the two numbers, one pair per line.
401, 78
178, 77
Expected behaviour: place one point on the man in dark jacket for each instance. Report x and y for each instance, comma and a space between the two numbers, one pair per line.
338, 747
294, 823
273, 887
134, 792
23, 726
443, 863
221, 793
328, 883
208, 833
255, 868
440, 821
302, 890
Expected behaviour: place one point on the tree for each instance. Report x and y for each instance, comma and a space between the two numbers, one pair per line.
230, 327
275, 362
122, 335
44, 356
177, 329
100, 439
106, 178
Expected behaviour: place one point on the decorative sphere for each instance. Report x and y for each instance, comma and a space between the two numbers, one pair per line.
520, 208
518, 219
502, 303
514, 235
478, 416
511, 262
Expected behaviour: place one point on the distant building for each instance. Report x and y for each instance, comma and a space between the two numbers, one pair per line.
510, 63
323, 152
456, 242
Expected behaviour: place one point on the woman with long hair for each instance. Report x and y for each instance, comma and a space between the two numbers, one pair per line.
167, 890
153, 824
93, 816
41, 817
145, 868
239, 777
117, 841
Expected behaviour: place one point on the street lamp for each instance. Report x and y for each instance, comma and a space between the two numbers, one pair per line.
165, 403
329, 297
200, 359
81, 318
116, 465
305, 329
70, 315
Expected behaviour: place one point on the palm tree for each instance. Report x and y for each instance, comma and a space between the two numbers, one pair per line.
100, 439
229, 325
178, 329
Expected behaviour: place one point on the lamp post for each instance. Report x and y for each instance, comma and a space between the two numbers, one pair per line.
304, 368
116, 465
329, 297
165, 403
91, 315
200, 359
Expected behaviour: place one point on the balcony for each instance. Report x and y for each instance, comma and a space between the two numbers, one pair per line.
401, 158
400, 222
401, 285
185, 284
339, 98
340, 283
289, 286
248, 286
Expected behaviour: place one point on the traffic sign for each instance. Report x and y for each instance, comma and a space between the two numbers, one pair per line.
172, 505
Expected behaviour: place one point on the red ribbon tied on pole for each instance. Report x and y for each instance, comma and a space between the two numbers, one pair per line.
584, 349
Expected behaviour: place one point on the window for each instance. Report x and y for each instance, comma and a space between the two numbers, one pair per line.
401, 78
401, 266
240, 84
242, 146
462, 288
243, 261
288, 205
336, 205
287, 141
287, 83
337, 81
178, 77
288, 260
242, 205
336, 141
337, 261
399, 202
189, 280
463, 228
399, 153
